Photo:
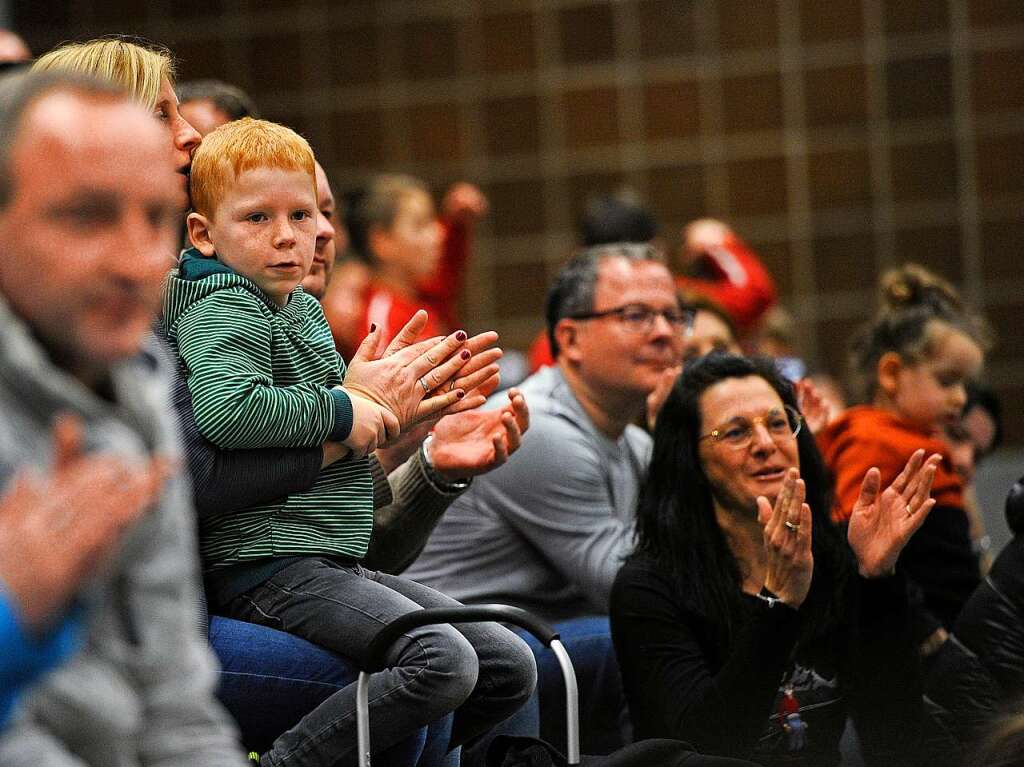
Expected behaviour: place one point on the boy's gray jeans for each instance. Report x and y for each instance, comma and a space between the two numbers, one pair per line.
481, 671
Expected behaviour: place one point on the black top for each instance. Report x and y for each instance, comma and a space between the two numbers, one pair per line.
992, 622
940, 562
681, 683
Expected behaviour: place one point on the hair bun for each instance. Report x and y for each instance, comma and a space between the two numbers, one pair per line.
912, 285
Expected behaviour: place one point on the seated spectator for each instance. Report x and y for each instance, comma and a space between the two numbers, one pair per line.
719, 265
272, 682
742, 624
418, 260
208, 104
253, 228
992, 622
92, 204
914, 361
548, 530
713, 330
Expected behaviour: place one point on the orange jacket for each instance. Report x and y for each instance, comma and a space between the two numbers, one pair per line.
865, 436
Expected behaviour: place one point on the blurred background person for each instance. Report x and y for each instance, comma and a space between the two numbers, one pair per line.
208, 104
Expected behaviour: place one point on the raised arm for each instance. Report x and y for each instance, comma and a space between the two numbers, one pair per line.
736, 279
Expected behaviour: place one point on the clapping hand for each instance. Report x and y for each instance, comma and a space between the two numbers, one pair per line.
478, 377
666, 380
57, 527
402, 376
815, 409
474, 442
882, 523
787, 541
423, 380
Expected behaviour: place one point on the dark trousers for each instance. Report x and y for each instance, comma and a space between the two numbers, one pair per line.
480, 671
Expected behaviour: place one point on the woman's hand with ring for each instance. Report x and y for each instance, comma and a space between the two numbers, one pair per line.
478, 377
403, 377
882, 522
787, 541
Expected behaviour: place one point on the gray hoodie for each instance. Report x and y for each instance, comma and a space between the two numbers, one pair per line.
141, 690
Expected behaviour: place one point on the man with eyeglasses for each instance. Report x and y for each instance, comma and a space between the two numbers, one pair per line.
548, 531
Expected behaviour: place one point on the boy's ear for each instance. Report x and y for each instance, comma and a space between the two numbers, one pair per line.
566, 334
889, 366
199, 234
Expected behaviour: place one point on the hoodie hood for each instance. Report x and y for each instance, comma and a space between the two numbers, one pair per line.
197, 277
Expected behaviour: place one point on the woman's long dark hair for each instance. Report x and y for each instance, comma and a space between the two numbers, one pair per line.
676, 524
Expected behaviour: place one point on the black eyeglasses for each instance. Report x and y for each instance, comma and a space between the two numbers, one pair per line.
638, 318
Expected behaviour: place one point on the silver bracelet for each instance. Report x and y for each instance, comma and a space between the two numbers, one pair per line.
766, 596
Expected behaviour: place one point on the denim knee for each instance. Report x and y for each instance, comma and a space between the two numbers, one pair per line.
443, 667
514, 670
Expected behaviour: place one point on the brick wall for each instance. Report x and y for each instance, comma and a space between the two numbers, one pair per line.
839, 137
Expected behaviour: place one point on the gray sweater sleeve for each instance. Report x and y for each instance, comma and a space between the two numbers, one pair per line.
401, 529
184, 724
175, 721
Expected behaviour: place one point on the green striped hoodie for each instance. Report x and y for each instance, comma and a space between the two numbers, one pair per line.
261, 376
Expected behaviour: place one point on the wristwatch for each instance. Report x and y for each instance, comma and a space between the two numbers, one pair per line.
442, 484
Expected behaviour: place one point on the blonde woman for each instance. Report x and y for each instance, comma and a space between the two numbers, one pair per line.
146, 71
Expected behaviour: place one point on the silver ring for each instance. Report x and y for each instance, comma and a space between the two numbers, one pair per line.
426, 389
794, 527
451, 386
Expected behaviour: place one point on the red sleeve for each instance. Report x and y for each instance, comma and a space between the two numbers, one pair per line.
742, 286
390, 311
442, 289
864, 437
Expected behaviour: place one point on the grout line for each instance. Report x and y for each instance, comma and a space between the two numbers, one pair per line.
798, 204
967, 182
880, 135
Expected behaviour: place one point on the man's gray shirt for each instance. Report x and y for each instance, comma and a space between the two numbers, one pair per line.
548, 530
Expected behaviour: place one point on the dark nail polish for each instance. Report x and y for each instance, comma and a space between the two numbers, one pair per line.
465, 354
460, 336
460, 394
373, 326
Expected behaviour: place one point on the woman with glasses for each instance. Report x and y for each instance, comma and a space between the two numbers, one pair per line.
743, 622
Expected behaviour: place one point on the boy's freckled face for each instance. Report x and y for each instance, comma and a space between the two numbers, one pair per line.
265, 229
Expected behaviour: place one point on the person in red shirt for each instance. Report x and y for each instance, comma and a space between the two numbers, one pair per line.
915, 360
418, 261
722, 267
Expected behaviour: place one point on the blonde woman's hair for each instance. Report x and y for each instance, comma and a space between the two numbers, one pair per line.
137, 66
242, 145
